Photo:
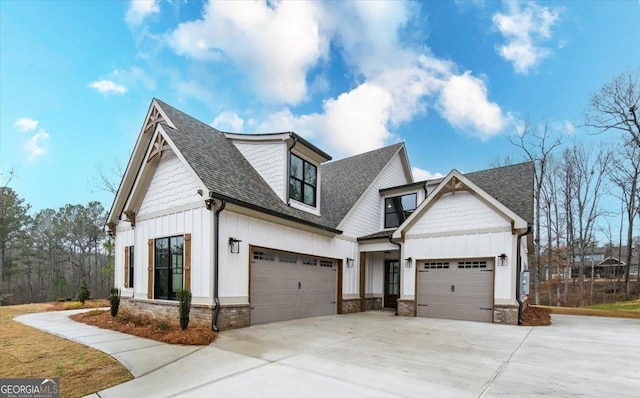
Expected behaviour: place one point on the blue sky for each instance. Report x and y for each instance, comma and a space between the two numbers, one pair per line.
451, 79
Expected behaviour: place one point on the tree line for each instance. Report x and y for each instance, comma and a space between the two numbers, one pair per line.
49, 255
579, 187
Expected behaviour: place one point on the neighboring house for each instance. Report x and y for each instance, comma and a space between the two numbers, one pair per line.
266, 227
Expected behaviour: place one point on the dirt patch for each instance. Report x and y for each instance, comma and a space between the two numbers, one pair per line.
159, 330
536, 316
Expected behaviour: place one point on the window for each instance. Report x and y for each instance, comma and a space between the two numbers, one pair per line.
169, 267
302, 180
436, 265
131, 257
288, 259
326, 263
309, 261
398, 208
263, 255
472, 264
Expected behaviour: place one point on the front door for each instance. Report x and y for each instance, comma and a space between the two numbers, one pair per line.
391, 283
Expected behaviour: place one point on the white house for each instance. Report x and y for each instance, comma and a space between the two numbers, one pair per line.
266, 227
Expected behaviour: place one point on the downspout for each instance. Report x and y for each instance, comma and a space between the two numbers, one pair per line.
399, 260
295, 141
519, 271
216, 260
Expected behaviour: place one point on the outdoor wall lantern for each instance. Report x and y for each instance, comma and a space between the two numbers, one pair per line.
234, 244
408, 262
502, 260
350, 262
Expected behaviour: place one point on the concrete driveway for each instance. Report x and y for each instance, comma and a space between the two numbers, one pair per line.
378, 354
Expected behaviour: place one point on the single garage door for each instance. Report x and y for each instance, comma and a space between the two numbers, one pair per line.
456, 289
288, 286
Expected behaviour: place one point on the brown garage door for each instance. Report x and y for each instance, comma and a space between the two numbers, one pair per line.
288, 286
456, 289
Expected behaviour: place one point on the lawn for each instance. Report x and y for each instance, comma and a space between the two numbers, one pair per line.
29, 352
624, 309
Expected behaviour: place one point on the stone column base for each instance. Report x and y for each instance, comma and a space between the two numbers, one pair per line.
350, 306
505, 314
407, 307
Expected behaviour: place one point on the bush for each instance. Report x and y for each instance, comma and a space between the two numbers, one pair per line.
83, 291
184, 307
114, 300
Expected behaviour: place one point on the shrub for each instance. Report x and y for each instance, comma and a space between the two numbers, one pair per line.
72, 305
114, 300
184, 307
83, 291
163, 325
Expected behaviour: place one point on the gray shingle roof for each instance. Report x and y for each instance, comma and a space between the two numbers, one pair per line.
344, 181
226, 172
510, 185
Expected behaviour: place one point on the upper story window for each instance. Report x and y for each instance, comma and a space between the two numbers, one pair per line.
302, 180
398, 208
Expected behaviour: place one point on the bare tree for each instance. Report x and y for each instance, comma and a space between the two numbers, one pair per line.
588, 183
625, 175
108, 179
617, 106
537, 143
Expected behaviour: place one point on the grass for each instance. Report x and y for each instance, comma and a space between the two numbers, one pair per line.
624, 309
29, 352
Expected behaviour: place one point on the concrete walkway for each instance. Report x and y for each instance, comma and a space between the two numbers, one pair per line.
137, 354
378, 354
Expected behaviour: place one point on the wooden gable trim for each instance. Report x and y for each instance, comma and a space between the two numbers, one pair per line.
159, 146
150, 270
187, 261
126, 267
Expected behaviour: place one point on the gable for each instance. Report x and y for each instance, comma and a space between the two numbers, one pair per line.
172, 185
456, 212
453, 184
366, 216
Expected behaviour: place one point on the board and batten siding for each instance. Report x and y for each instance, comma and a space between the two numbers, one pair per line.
172, 185
197, 222
234, 268
269, 160
374, 274
366, 216
461, 226
124, 238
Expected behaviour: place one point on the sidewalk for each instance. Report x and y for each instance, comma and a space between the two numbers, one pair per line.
139, 355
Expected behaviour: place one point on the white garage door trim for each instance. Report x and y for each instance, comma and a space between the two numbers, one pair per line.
460, 289
285, 285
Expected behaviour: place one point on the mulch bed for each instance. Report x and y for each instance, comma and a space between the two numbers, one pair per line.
148, 328
536, 316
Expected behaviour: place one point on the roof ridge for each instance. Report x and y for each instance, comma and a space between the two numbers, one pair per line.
398, 144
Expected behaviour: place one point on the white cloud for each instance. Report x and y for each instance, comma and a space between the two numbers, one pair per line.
463, 102
276, 43
139, 10
108, 87
524, 29
422, 175
35, 145
228, 121
394, 79
25, 124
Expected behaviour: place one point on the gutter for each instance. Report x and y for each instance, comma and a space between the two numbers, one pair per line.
519, 271
216, 261
295, 141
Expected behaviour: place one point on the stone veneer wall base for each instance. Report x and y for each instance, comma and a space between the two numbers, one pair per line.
373, 304
350, 306
505, 314
230, 316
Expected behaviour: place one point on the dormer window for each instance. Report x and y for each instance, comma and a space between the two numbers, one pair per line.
302, 180
398, 208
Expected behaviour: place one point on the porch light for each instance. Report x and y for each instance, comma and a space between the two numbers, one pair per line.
234, 244
408, 262
350, 262
502, 260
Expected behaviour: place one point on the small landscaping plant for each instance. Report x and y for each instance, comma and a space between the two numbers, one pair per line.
83, 291
114, 300
184, 307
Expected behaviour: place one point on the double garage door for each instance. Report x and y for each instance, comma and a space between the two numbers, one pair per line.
287, 286
456, 289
